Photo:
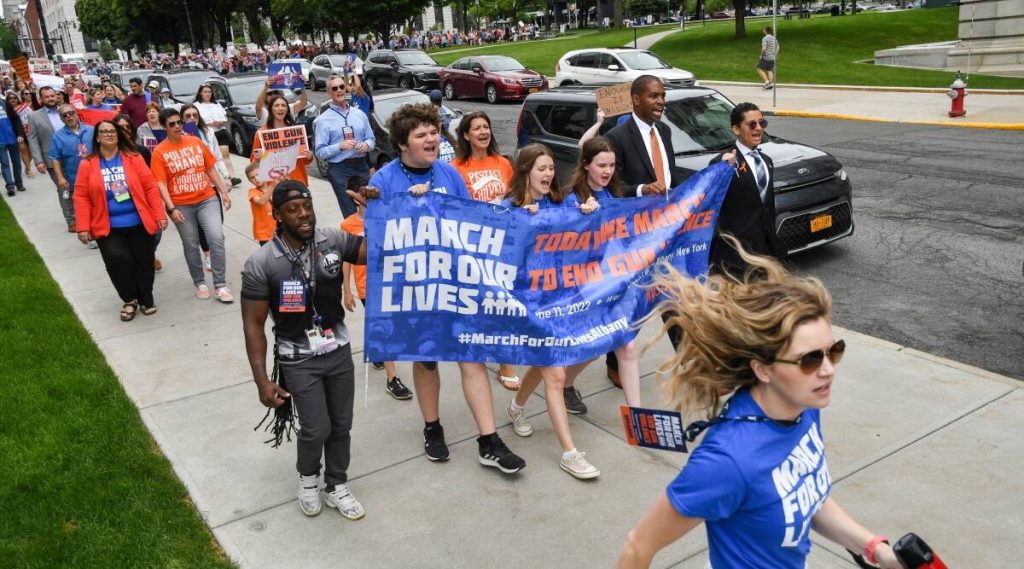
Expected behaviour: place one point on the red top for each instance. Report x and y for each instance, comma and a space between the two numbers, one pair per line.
91, 195
135, 107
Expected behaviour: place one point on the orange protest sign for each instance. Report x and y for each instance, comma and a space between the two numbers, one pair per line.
20, 66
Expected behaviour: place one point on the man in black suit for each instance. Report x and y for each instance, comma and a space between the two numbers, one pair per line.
643, 145
748, 212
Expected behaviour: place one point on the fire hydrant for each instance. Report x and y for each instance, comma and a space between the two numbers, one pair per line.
957, 92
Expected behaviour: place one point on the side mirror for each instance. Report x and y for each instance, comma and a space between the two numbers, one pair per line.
478, 69
613, 67
393, 64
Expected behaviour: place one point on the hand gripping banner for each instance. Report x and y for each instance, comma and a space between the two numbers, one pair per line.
450, 279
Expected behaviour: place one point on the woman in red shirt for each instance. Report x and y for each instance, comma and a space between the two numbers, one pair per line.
117, 203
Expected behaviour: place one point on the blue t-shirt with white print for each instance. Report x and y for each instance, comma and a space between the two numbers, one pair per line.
393, 178
757, 485
544, 203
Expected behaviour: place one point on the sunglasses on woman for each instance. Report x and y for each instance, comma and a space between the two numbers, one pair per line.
811, 361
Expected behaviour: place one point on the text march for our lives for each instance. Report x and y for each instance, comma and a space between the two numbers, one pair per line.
450, 279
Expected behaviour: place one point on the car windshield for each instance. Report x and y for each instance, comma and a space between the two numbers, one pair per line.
503, 64
699, 124
384, 108
186, 85
642, 60
246, 93
414, 58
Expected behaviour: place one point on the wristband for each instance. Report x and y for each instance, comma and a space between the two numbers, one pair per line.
869, 549
171, 210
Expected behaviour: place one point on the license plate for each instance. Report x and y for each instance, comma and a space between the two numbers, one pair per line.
821, 222
533, 89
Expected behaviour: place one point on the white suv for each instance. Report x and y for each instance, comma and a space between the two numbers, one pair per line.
616, 65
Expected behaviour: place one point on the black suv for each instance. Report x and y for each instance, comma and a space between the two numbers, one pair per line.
183, 84
402, 68
121, 77
237, 94
812, 192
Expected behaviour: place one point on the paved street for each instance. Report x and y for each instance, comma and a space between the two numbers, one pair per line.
936, 260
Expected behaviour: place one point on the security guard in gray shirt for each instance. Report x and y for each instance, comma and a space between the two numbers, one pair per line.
297, 279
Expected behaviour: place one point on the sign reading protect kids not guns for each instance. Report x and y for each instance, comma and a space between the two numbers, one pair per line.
459, 280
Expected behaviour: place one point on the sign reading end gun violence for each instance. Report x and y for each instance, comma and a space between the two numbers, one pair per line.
276, 139
614, 100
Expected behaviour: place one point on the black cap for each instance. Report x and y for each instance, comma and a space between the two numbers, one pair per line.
436, 96
289, 190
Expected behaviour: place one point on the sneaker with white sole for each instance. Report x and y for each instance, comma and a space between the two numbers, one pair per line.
309, 494
493, 452
224, 295
578, 466
202, 292
520, 424
347, 505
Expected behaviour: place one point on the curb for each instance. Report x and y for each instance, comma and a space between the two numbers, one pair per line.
837, 116
934, 90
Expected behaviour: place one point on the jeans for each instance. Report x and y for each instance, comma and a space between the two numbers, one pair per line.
14, 151
128, 255
202, 236
322, 389
338, 174
67, 204
205, 214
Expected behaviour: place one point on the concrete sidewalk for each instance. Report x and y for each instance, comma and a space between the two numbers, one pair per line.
916, 443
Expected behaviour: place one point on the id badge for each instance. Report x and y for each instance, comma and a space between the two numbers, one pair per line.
81, 150
321, 340
120, 191
293, 296
348, 133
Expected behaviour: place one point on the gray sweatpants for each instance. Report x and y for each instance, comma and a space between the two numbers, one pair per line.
322, 390
205, 214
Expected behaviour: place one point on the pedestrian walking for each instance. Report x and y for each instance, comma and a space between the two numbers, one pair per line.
766, 62
759, 480
68, 147
297, 279
12, 138
42, 123
117, 204
344, 138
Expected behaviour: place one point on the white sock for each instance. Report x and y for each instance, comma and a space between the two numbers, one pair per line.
515, 406
569, 454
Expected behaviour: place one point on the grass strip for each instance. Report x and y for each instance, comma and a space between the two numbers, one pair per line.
824, 50
84, 484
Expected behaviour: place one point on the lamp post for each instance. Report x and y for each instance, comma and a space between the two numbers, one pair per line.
191, 34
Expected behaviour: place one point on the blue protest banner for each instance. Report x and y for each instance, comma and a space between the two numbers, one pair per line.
450, 279
285, 76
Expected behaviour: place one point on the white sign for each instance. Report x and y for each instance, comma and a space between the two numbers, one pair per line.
279, 164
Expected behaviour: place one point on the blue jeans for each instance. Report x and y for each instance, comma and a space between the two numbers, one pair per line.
338, 174
14, 152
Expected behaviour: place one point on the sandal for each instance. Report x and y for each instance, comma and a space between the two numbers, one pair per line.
147, 310
129, 315
509, 383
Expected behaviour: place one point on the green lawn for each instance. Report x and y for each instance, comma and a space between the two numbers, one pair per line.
823, 50
83, 483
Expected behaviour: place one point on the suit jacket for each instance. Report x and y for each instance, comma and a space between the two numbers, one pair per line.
632, 162
746, 217
40, 132
91, 213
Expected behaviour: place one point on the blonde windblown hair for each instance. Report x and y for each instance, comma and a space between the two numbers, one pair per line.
729, 321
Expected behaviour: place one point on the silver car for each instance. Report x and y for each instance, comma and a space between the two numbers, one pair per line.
324, 66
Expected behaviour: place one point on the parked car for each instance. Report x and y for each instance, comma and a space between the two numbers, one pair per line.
121, 77
402, 68
812, 191
495, 77
385, 103
323, 66
615, 65
183, 84
237, 94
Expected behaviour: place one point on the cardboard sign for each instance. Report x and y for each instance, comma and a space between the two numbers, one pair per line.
614, 100
20, 65
285, 76
69, 69
279, 164
653, 428
277, 139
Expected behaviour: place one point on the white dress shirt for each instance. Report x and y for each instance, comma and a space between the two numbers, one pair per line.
645, 135
752, 164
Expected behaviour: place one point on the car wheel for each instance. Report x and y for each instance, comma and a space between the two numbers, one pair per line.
312, 82
492, 93
404, 83
372, 82
321, 167
239, 139
449, 91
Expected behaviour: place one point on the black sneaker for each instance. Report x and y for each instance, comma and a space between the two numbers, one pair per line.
573, 402
21, 188
378, 365
235, 181
397, 389
10, 192
493, 452
434, 445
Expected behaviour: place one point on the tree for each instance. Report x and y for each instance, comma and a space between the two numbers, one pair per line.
9, 40
740, 6
106, 51
641, 8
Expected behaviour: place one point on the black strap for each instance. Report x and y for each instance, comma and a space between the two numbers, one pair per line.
694, 429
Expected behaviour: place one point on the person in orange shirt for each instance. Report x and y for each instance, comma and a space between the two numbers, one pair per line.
354, 224
184, 169
280, 117
263, 223
487, 175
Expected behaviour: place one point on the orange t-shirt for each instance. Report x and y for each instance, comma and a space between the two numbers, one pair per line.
354, 224
183, 167
487, 179
263, 223
298, 174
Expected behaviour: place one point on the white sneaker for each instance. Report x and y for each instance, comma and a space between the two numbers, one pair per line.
224, 295
578, 466
520, 424
309, 494
202, 292
346, 503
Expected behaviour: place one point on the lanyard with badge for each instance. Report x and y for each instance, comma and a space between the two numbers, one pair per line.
695, 428
430, 182
293, 295
118, 188
347, 132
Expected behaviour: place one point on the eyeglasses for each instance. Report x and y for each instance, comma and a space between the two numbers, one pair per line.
172, 124
751, 124
191, 116
108, 132
811, 361
68, 114
338, 88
